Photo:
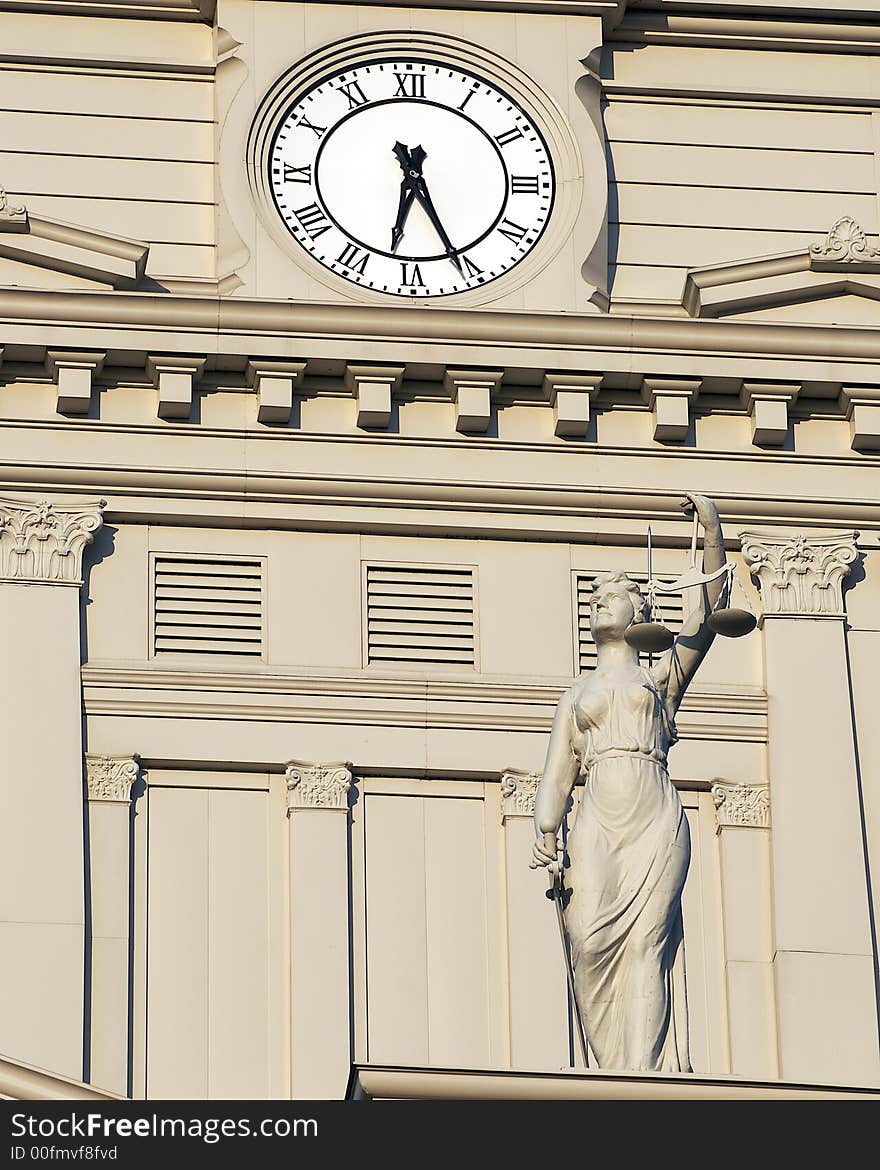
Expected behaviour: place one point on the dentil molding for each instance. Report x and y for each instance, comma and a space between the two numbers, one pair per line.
518, 791
741, 805
111, 777
801, 575
44, 540
322, 786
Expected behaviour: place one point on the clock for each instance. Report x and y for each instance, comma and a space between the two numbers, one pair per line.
410, 176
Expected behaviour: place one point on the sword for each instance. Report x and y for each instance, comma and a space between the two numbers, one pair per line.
558, 892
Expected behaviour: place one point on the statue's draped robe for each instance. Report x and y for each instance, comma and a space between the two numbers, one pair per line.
629, 850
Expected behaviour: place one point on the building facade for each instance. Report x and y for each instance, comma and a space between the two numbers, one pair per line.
299, 516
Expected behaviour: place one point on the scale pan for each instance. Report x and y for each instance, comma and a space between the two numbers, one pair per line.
651, 637
732, 623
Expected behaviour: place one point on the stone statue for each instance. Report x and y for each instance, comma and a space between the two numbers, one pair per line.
629, 848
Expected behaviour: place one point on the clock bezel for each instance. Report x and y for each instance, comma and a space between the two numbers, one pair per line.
459, 54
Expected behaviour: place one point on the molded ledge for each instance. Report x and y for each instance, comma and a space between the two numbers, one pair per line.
24, 1082
193, 10
378, 1082
63, 247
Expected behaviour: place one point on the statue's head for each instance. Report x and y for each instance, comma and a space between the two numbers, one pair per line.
616, 604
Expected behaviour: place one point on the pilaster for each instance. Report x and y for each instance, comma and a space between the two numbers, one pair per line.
823, 952
42, 866
320, 1008
539, 1023
743, 826
110, 786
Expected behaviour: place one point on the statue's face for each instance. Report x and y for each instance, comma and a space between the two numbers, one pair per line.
611, 611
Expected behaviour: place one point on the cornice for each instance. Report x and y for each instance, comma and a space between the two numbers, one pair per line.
365, 700
272, 328
584, 511
64, 247
190, 10
779, 32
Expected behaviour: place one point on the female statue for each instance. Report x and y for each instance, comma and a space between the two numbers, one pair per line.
629, 848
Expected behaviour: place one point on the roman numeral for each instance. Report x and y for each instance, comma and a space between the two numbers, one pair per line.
354, 93
297, 174
470, 93
307, 125
313, 220
410, 85
508, 136
513, 231
411, 275
470, 268
524, 184
354, 258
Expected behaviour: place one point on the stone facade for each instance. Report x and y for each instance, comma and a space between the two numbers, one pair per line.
257, 514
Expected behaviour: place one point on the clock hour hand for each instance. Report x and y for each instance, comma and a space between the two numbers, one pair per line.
411, 165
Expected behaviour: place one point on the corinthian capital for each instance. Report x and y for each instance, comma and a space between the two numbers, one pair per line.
43, 540
800, 574
317, 785
111, 777
518, 793
741, 805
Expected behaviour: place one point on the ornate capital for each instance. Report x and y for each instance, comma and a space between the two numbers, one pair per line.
845, 246
741, 805
111, 777
518, 793
44, 541
801, 574
12, 218
317, 786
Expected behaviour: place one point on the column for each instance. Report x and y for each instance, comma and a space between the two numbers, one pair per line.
320, 1007
41, 830
743, 826
109, 781
539, 1014
823, 952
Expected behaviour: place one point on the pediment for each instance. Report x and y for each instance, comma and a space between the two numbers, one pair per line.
835, 282
33, 247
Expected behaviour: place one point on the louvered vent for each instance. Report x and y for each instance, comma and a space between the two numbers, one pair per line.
419, 615
671, 614
205, 606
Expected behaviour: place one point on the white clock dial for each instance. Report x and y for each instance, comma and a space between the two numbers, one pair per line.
411, 177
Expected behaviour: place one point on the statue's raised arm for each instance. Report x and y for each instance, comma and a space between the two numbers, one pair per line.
679, 664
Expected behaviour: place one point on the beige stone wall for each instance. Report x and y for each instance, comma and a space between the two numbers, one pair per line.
270, 933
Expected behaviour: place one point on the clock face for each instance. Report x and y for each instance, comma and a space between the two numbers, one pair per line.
411, 178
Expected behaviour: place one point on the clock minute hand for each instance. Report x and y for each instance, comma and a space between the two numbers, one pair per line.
414, 185
423, 196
